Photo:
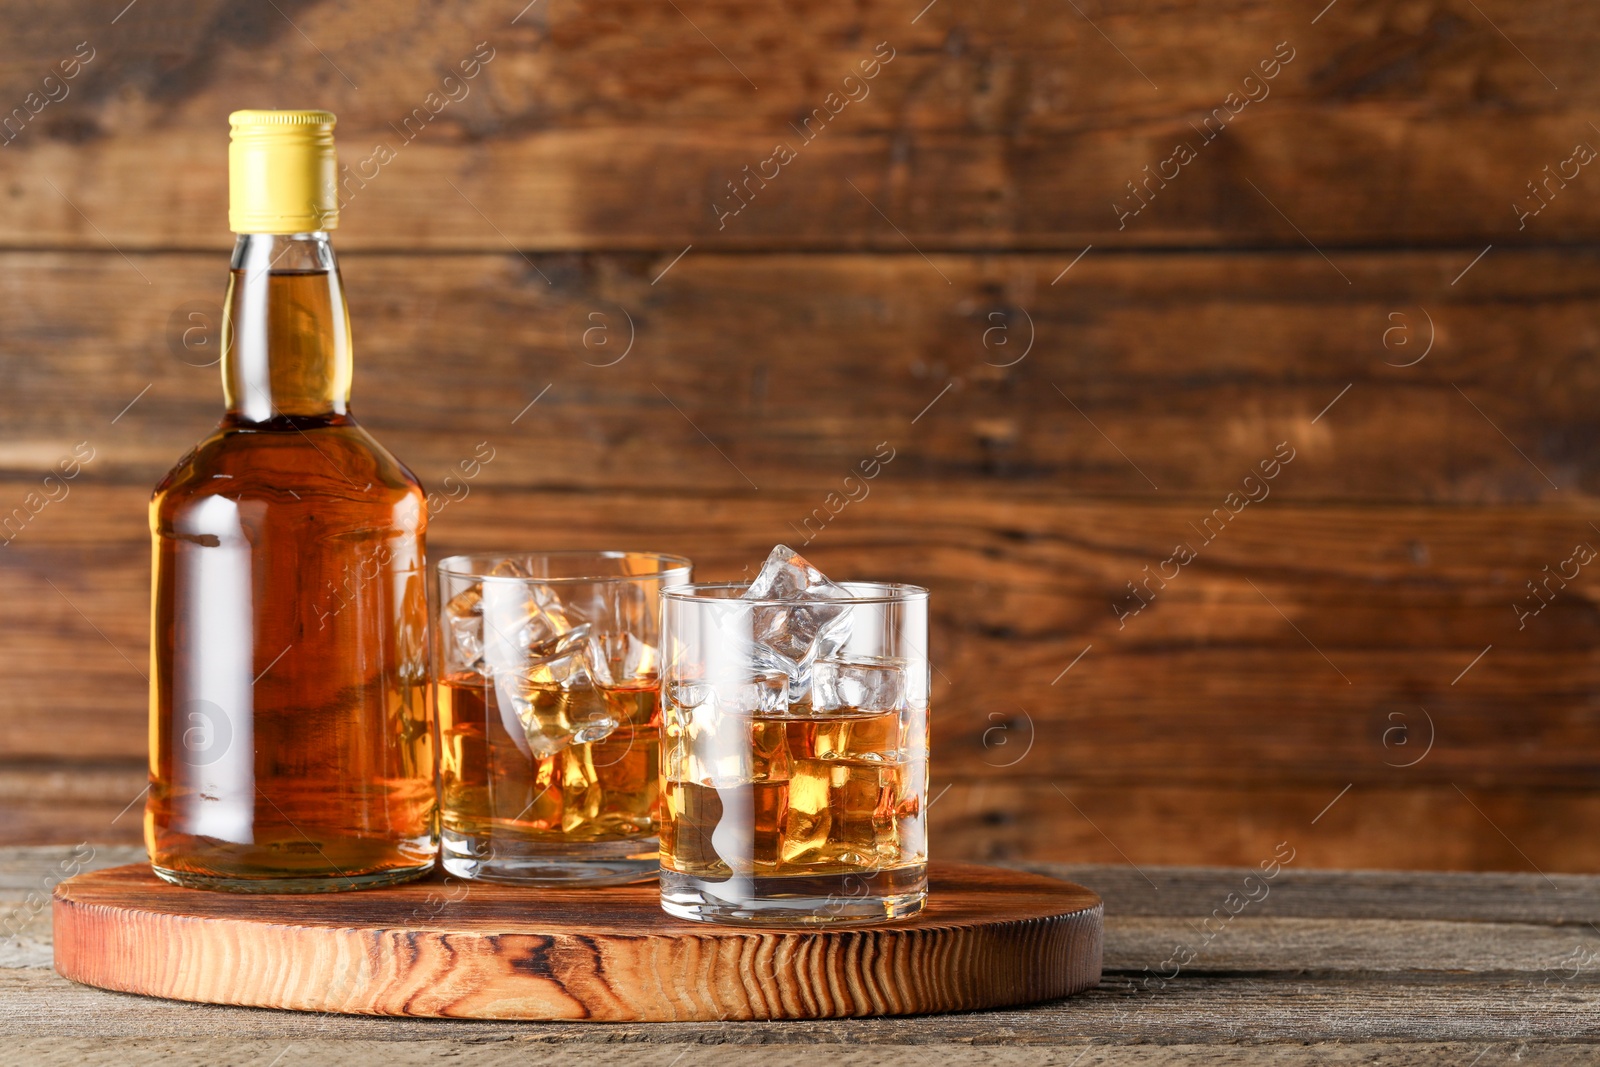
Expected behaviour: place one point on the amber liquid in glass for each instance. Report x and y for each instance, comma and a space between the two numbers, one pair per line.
822, 794
582, 792
291, 745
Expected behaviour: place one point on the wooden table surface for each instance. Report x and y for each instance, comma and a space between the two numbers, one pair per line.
1329, 967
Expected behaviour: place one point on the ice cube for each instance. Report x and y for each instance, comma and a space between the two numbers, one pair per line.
765, 693
769, 747
617, 659
871, 683
689, 692
555, 697
787, 575
555, 715
759, 692
758, 689
467, 634
559, 658
793, 636
542, 618
537, 654
808, 817
709, 726
465, 614
468, 602
581, 794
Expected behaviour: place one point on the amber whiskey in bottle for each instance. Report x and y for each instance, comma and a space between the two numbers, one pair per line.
291, 723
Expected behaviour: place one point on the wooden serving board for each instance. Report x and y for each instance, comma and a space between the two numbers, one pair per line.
471, 950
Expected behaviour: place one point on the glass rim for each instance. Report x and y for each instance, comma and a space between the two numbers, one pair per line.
694, 593
672, 565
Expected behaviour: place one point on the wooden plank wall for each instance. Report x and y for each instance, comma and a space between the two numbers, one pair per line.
1339, 270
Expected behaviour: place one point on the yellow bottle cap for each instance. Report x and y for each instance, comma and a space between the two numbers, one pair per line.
282, 173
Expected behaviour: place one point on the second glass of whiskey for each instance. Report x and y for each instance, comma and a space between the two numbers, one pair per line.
794, 768
548, 668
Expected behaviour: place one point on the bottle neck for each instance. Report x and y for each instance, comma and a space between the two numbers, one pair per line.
285, 330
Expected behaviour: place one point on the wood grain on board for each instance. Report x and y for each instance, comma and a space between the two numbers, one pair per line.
988, 938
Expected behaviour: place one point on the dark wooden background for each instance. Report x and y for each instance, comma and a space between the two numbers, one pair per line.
1283, 288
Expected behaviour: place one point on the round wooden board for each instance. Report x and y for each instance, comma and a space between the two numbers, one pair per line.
471, 950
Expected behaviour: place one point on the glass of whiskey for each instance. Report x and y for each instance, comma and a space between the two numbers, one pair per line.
548, 672
794, 770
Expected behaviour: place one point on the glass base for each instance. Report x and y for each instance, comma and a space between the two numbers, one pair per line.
550, 863
797, 900
331, 883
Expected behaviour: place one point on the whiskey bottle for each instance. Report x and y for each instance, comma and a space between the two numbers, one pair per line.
291, 723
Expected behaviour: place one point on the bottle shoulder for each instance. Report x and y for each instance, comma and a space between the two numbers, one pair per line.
292, 465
